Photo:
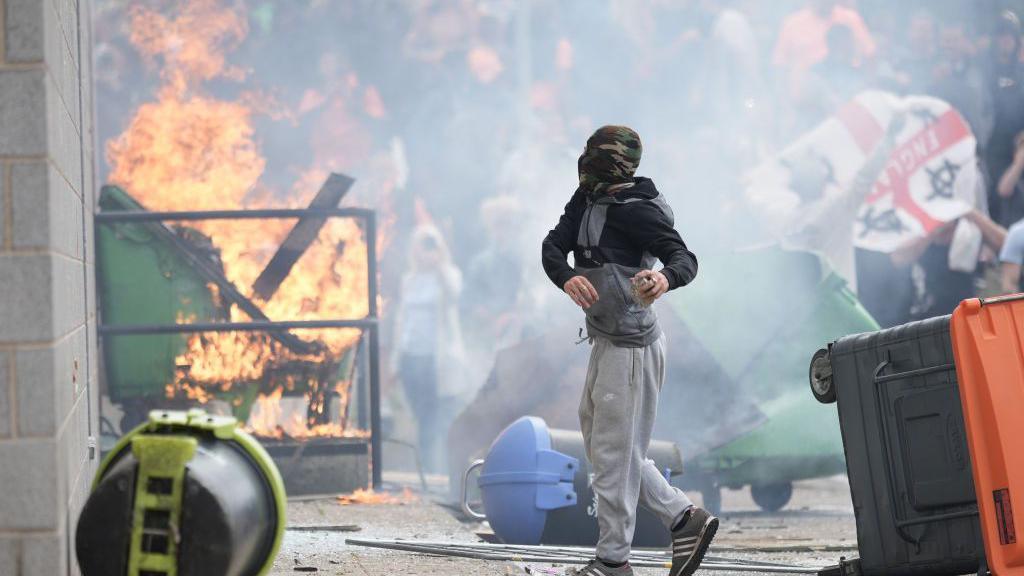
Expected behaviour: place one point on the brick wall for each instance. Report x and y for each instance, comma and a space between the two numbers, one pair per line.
48, 361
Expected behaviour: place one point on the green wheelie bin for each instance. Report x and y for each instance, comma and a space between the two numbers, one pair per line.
759, 313
143, 280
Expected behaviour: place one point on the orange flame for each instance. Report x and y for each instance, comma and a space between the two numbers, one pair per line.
191, 151
361, 496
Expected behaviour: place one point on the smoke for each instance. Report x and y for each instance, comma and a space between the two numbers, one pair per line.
470, 114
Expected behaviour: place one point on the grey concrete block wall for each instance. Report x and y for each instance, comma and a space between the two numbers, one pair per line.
22, 112
43, 554
6, 394
49, 383
30, 471
48, 362
60, 206
26, 281
24, 35
10, 552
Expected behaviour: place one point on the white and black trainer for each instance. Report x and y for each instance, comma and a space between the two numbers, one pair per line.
597, 568
691, 540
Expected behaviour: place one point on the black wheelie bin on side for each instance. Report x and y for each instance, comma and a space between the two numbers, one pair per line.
906, 449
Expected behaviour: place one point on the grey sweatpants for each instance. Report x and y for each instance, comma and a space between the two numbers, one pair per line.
617, 413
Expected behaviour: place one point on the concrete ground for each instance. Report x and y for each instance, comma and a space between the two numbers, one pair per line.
815, 529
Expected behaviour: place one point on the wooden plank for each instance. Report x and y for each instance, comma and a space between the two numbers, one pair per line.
300, 237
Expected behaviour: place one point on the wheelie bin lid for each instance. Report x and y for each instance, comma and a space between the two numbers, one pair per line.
987, 344
523, 478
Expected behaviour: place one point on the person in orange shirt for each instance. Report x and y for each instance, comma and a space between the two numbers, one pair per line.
803, 42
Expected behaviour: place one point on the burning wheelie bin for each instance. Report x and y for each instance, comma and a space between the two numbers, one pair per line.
143, 279
154, 277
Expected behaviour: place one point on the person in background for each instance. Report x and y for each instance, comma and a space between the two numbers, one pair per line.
1006, 92
824, 222
939, 286
1010, 193
803, 40
834, 80
728, 92
494, 276
429, 340
944, 264
1011, 258
958, 78
908, 65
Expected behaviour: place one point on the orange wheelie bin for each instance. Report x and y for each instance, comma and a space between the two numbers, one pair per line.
988, 344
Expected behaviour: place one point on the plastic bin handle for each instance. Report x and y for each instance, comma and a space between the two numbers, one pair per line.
465, 492
879, 378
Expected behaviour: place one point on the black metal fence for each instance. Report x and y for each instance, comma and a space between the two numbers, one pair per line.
370, 324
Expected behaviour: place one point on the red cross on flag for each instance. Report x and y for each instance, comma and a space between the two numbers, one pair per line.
914, 195
853, 181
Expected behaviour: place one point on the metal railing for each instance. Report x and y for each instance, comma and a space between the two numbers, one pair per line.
370, 323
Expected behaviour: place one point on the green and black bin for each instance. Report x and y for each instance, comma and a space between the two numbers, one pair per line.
906, 449
143, 279
185, 494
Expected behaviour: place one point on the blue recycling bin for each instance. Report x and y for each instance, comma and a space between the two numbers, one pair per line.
535, 487
522, 479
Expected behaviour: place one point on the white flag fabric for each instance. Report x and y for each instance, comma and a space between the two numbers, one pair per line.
805, 194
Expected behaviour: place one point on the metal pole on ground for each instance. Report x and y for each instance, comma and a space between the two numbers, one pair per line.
376, 459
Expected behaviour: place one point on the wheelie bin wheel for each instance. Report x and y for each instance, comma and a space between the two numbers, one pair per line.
820, 375
772, 497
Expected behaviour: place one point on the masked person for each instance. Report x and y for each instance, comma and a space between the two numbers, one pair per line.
616, 225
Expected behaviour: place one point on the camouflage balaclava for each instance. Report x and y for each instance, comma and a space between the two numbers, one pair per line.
610, 159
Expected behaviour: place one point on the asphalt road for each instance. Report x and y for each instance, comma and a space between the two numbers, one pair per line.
815, 529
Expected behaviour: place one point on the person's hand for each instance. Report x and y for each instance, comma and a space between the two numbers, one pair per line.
1018, 152
1018, 156
650, 285
911, 250
581, 291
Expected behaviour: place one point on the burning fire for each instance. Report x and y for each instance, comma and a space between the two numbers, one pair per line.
272, 416
361, 496
188, 150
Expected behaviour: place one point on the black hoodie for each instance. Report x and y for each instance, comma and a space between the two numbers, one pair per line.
631, 229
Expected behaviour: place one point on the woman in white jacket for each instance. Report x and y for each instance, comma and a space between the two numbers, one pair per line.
428, 339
